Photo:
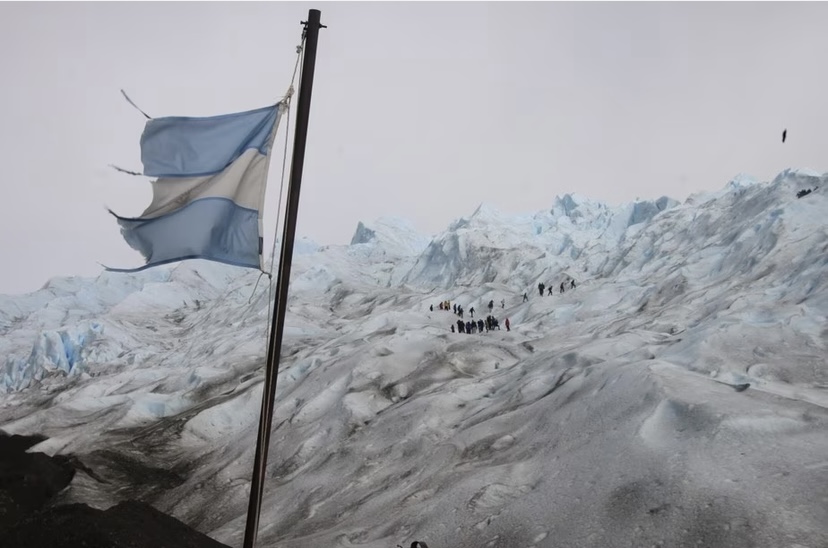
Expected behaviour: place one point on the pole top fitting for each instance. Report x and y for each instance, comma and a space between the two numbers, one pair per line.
305, 24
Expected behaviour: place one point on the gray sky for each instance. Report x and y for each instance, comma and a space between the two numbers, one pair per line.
420, 110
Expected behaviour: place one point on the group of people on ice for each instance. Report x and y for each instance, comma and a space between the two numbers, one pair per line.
490, 324
472, 326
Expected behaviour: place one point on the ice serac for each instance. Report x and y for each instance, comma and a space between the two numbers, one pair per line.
572, 237
646, 210
391, 235
476, 250
363, 234
73, 326
800, 179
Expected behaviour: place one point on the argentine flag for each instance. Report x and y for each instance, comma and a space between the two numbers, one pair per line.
209, 193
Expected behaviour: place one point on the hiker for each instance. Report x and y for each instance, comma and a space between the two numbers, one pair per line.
562, 287
495, 323
525, 297
455, 308
549, 291
502, 303
480, 326
471, 311
784, 134
441, 305
468, 328
452, 328
540, 288
491, 305
431, 307
508, 328
572, 285
461, 327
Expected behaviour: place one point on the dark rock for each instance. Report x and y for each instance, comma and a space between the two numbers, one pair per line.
128, 525
28, 484
28, 480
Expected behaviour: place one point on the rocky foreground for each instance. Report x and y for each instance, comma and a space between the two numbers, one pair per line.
30, 515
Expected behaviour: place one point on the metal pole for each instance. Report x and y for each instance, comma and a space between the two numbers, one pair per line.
312, 26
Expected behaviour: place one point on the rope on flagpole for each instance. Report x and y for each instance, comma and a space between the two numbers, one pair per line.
300, 50
278, 209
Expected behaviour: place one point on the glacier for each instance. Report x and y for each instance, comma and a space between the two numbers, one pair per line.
614, 414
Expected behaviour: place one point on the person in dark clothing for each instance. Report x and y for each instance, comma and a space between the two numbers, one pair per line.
784, 134
455, 308
549, 291
508, 325
562, 287
441, 306
452, 328
471, 311
480, 326
468, 328
525, 297
502, 303
491, 305
431, 307
572, 285
540, 288
461, 327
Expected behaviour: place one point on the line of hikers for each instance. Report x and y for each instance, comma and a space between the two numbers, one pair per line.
542, 286
446, 305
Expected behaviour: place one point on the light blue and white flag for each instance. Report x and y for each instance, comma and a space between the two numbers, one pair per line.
207, 201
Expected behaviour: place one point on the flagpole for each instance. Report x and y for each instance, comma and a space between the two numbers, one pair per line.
312, 26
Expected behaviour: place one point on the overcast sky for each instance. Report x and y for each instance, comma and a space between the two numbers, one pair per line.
420, 110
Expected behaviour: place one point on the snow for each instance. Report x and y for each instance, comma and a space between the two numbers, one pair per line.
607, 416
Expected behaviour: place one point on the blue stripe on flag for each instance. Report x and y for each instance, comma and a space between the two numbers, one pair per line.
180, 146
215, 229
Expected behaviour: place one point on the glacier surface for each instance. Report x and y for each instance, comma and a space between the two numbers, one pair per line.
612, 414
